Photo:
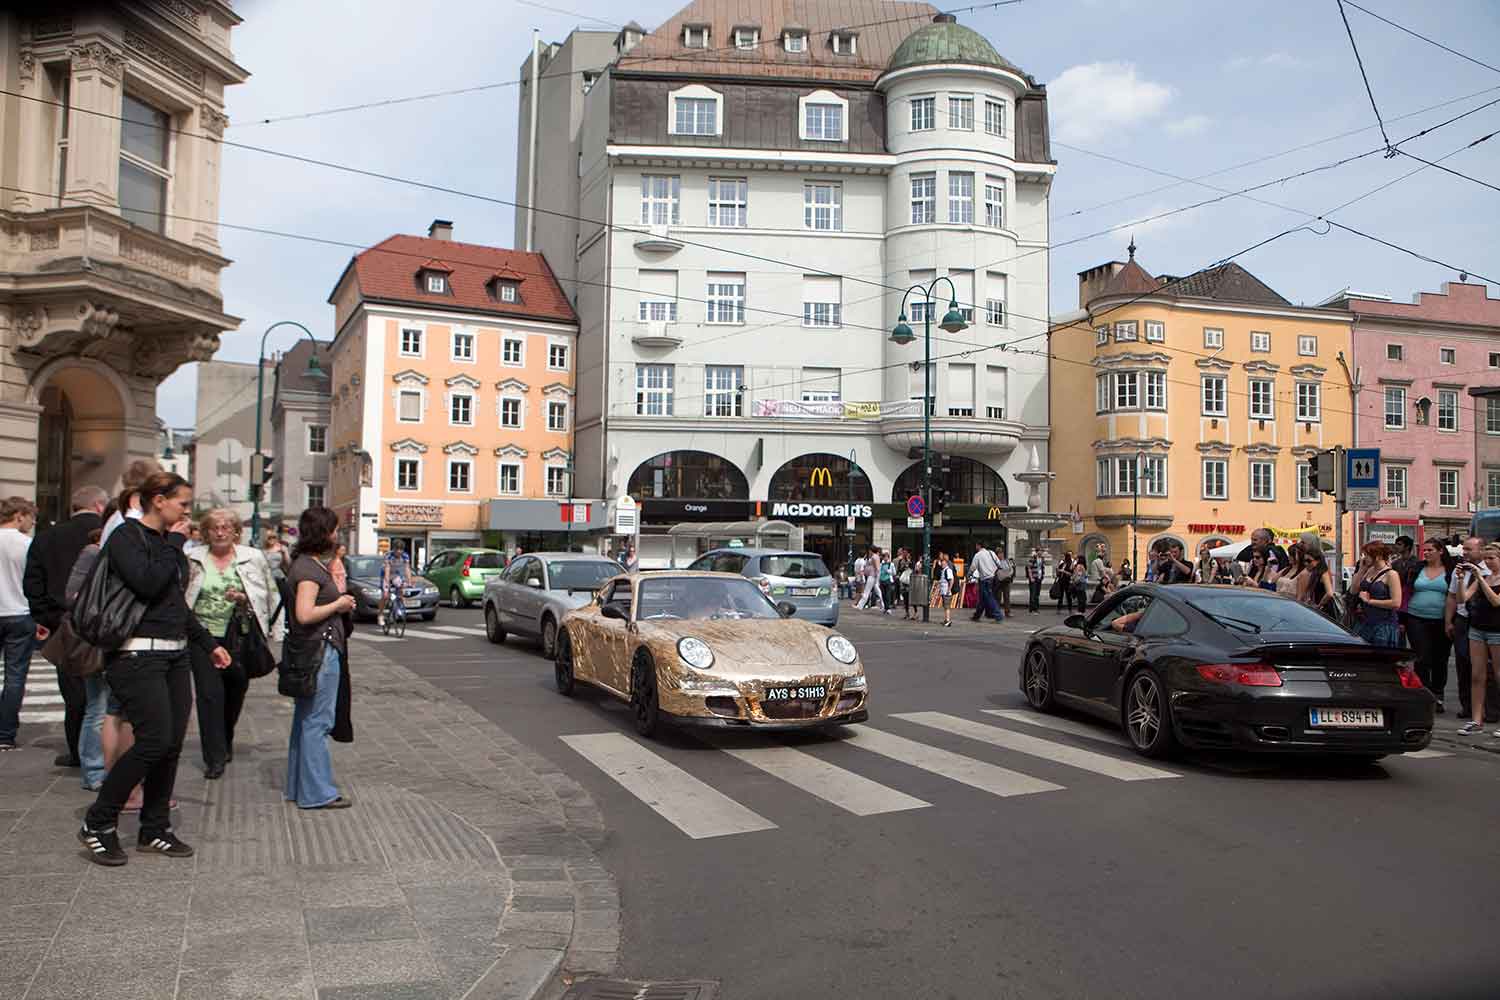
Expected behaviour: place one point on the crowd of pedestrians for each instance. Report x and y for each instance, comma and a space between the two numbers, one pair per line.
194, 609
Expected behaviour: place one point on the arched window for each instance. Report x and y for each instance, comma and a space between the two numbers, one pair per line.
694, 475
1094, 545
821, 477
969, 482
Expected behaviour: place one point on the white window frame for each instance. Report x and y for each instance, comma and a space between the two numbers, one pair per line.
1154, 391
1492, 488
557, 415
1262, 491
833, 395
994, 202
960, 197
1305, 491
994, 312
1262, 407
822, 315
1395, 416
520, 410
560, 472
1126, 331
844, 43
1104, 393
695, 36
1309, 403
1492, 416
408, 333
658, 310
467, 337
1153, 475
1401, 495
961, 112
1447, 355
729, 202
1127, 476
1213, 338
1452, 475
552, 352
1260, 341
310, 428
415, 463
924, 113
1222, 395
1452, 416
794, 41
815, 208
508, 292
307, 497
437, 284
520, 471
724, 300
1395, 352
453, 398
1156, 331
825, 101
746, 39
994, 117
1307, 345
1101, 335
452, 466
923, 199
722, 396
1127, 391
654, 400
661, 199
1221, 466
1104, 483
505, 342
160, 171
1494, 359
421, 395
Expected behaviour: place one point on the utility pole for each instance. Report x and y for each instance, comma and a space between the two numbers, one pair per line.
1352, 380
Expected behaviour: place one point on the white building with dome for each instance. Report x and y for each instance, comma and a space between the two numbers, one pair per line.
734, 203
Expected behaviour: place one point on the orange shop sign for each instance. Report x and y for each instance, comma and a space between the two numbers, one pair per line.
1217, 529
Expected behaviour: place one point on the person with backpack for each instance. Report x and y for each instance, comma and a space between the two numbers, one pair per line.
1427, 582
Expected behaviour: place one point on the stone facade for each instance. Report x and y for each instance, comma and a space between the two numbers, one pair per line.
105, 288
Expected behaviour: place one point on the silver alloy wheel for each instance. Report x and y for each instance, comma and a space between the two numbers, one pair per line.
1143, 717
1037, 684
549, 638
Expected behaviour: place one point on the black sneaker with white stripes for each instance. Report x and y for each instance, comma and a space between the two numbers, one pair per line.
103, 846
164, 843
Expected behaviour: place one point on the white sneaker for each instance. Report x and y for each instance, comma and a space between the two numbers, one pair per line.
1471, 729
380, 620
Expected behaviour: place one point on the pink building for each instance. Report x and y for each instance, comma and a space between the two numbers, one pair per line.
1423, 366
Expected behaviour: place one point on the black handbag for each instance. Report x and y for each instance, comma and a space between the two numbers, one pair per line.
301, 659
251, 652
106, 612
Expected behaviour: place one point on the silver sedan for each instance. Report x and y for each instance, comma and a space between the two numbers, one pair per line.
537, 589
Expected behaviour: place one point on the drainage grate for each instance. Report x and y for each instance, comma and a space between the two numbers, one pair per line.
622, 989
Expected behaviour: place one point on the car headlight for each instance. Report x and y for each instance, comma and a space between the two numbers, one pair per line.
370, 593
841, 649
695, 653
855, 683
429, 591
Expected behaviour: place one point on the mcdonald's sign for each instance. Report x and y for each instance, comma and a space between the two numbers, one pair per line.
993, 514
821, 476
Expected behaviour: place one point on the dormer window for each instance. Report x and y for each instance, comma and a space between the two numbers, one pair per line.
507, 291
437, 284
505, 287
746, 37
695, 36
589, 79
794, 40
432, 277
842, 41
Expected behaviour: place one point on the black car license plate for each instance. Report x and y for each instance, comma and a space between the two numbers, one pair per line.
796, 693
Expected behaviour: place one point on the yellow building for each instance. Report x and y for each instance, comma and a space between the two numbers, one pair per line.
1215, 387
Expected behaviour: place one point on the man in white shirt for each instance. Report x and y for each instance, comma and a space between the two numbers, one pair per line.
18, 633
984, 566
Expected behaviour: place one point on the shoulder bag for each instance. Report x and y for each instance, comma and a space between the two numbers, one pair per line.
106, 612
301, 659
252, 652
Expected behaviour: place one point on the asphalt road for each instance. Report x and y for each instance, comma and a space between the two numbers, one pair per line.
967, 854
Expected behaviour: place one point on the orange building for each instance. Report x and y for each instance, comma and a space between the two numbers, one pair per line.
452, 414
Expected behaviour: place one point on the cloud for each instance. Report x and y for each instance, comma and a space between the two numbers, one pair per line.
1188, 125
1270, 60
1095, 99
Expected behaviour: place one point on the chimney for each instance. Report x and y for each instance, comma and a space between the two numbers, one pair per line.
441, 229
1094, 280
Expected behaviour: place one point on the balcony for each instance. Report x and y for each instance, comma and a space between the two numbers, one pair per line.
657, 239
656, 334
953, 435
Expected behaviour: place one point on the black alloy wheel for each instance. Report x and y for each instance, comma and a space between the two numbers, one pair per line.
1147, 716
1038, 680
643, 701
492, 630
549, 637
562, 667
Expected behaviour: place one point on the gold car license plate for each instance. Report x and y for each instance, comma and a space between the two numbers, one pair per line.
1347, 718
796, 693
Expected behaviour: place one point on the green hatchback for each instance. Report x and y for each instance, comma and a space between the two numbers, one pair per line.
459, 574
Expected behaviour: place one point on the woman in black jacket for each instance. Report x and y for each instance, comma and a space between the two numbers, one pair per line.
150, 674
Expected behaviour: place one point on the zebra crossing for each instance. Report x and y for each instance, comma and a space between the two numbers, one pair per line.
43, 702
431, 633
702, 810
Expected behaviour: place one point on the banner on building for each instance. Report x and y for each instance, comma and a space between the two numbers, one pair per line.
837, 409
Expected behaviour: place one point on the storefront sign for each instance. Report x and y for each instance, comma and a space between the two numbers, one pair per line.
819, 511
627, 516
543, 515
572, 513
670, 511
413, 513
1217, 529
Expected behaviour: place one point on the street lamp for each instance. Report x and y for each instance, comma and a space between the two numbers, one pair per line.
257, 461
1135, 520
953, 322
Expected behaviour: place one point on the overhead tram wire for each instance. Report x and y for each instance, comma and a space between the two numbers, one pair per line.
1415, 34
1450, 170
1363, 76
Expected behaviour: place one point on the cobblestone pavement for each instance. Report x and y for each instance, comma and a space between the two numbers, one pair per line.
465, 869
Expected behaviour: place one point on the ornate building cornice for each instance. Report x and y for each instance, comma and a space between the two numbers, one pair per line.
98, 56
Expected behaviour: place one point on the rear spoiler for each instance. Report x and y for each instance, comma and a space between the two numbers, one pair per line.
1313, 652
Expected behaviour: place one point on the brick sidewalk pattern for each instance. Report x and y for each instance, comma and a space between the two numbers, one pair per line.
465, 869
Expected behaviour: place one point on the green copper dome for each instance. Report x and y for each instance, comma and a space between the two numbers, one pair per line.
947, 41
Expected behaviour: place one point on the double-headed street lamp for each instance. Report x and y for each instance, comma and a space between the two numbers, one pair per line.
902, 335
258, 460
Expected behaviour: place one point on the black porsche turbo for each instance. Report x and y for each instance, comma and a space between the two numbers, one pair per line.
1228, 668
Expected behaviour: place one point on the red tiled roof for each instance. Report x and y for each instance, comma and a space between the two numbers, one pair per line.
390, 272
1131, 279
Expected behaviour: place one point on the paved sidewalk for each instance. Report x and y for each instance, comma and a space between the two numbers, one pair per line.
465, 869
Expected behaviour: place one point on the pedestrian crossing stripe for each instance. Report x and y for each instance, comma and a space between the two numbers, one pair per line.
1083, 729
849, 791
461, 629
1087, 760
990, 778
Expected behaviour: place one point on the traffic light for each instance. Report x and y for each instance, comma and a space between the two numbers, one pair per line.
942, 468
1323, 472
261, 469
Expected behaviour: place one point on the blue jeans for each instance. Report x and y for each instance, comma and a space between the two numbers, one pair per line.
309, 765
17, 640
90, 743
1381, 634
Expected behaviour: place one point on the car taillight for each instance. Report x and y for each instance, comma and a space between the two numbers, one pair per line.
1409, 678
467, 560
1243, 674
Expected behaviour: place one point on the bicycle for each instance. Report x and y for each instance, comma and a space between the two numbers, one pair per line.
395, 614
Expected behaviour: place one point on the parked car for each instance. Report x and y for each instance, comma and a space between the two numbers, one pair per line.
799, 578
709, 650
537, 589
1228, 668
460, 574
364, 585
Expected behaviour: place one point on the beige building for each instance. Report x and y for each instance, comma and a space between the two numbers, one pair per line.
109, 250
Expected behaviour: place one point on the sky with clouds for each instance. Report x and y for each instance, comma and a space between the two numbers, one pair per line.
1180, 87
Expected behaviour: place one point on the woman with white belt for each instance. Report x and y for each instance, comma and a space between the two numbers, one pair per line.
226, 575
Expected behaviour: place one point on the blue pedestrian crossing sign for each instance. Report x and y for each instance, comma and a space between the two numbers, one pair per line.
1363, 468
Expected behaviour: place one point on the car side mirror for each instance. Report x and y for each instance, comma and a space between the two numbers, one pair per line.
613, 611
1076, 621
532, 581
786, 608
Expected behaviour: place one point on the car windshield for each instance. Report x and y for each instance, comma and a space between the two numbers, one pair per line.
363, 567
794, 566
567, 574
696, 598
1252, 612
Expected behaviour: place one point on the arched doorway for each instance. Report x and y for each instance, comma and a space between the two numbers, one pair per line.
820, 476
81, 433
695, 475
969, 482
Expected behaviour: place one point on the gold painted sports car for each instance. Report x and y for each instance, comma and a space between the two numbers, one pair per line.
709, 649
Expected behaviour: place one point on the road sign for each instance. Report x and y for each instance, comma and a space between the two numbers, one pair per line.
915, 507
1362, 471
849, 523
914, 522
627, 516
1362, 499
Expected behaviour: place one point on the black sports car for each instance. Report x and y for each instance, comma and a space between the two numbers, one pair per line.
1228, 668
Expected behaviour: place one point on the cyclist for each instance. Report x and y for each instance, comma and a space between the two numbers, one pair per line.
394, 575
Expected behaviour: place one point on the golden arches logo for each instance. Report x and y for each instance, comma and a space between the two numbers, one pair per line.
821, 476
993, 514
